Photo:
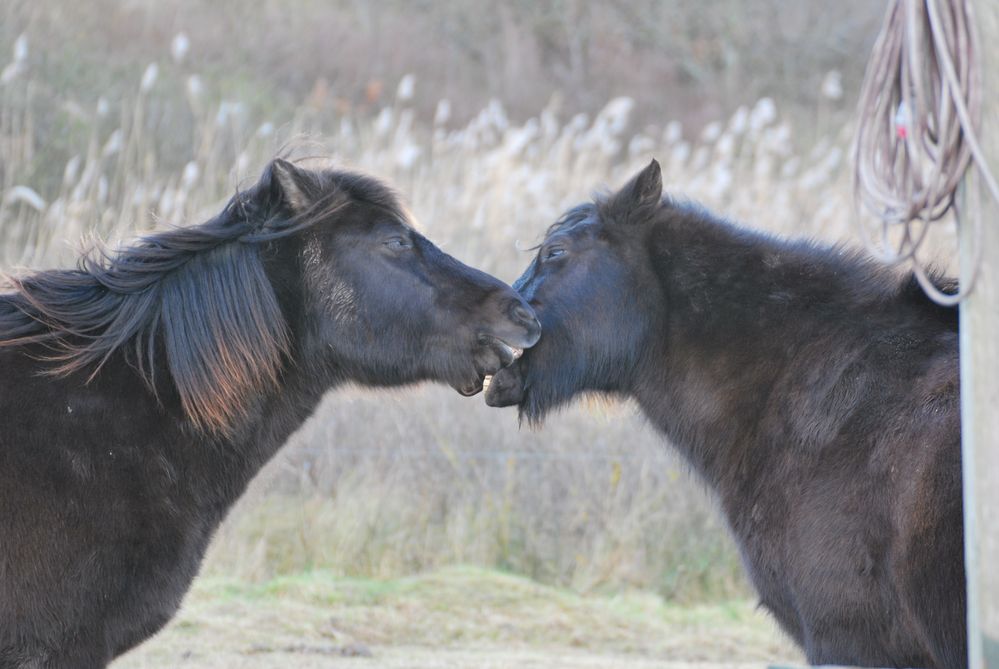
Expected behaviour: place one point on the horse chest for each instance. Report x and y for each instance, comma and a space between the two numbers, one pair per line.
152, 595
818, 565
761, 537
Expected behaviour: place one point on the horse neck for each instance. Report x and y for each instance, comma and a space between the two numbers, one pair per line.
271, 418
737, 307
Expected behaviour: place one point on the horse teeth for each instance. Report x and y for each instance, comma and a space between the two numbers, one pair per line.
486, 381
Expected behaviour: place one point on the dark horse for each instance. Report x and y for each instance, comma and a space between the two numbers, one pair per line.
141, 392
815, 393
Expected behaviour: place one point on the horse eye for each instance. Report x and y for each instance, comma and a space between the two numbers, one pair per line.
398, 243
553, 252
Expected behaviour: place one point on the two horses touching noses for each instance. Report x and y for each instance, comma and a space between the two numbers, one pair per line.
815, 393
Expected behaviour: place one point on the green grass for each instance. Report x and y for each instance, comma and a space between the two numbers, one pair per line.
459, 608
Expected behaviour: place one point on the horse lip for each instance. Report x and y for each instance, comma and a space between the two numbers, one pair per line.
506, 352
469, 390
512, 351
501, 392
523, 337
512, 345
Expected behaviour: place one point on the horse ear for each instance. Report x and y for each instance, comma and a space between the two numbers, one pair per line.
647, 186
641, 195
290, 184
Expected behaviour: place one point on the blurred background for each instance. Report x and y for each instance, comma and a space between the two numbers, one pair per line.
118, 116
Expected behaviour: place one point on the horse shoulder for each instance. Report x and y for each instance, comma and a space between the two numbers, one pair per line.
105, 492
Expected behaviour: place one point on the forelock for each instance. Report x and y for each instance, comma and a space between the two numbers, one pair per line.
575, 217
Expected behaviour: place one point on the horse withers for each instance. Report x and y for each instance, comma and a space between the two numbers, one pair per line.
815, 392
140, 392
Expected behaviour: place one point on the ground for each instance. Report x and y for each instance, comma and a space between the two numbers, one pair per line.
455, 618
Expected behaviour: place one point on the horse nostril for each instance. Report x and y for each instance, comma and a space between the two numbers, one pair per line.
523, 313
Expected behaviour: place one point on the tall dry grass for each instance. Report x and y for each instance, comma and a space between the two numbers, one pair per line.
392, 482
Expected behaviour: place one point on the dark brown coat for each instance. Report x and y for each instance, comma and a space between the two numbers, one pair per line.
815, 393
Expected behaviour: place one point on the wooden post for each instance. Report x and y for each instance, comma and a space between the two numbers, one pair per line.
980, 373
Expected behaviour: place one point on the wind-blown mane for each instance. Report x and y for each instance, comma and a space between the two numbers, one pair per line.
201, 291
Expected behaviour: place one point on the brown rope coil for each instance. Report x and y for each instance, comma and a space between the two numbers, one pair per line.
919, 109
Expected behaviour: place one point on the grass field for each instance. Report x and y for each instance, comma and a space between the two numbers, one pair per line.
459, 617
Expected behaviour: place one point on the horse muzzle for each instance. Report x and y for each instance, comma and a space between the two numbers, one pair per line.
506, 387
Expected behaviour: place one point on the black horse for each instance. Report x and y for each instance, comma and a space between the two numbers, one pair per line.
141, 392
815, 393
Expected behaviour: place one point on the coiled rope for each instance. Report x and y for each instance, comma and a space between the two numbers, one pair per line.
919, 110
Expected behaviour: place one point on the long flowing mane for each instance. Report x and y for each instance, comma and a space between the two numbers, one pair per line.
201, 292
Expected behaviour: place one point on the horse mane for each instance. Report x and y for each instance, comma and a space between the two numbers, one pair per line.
861, 276
201, 291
